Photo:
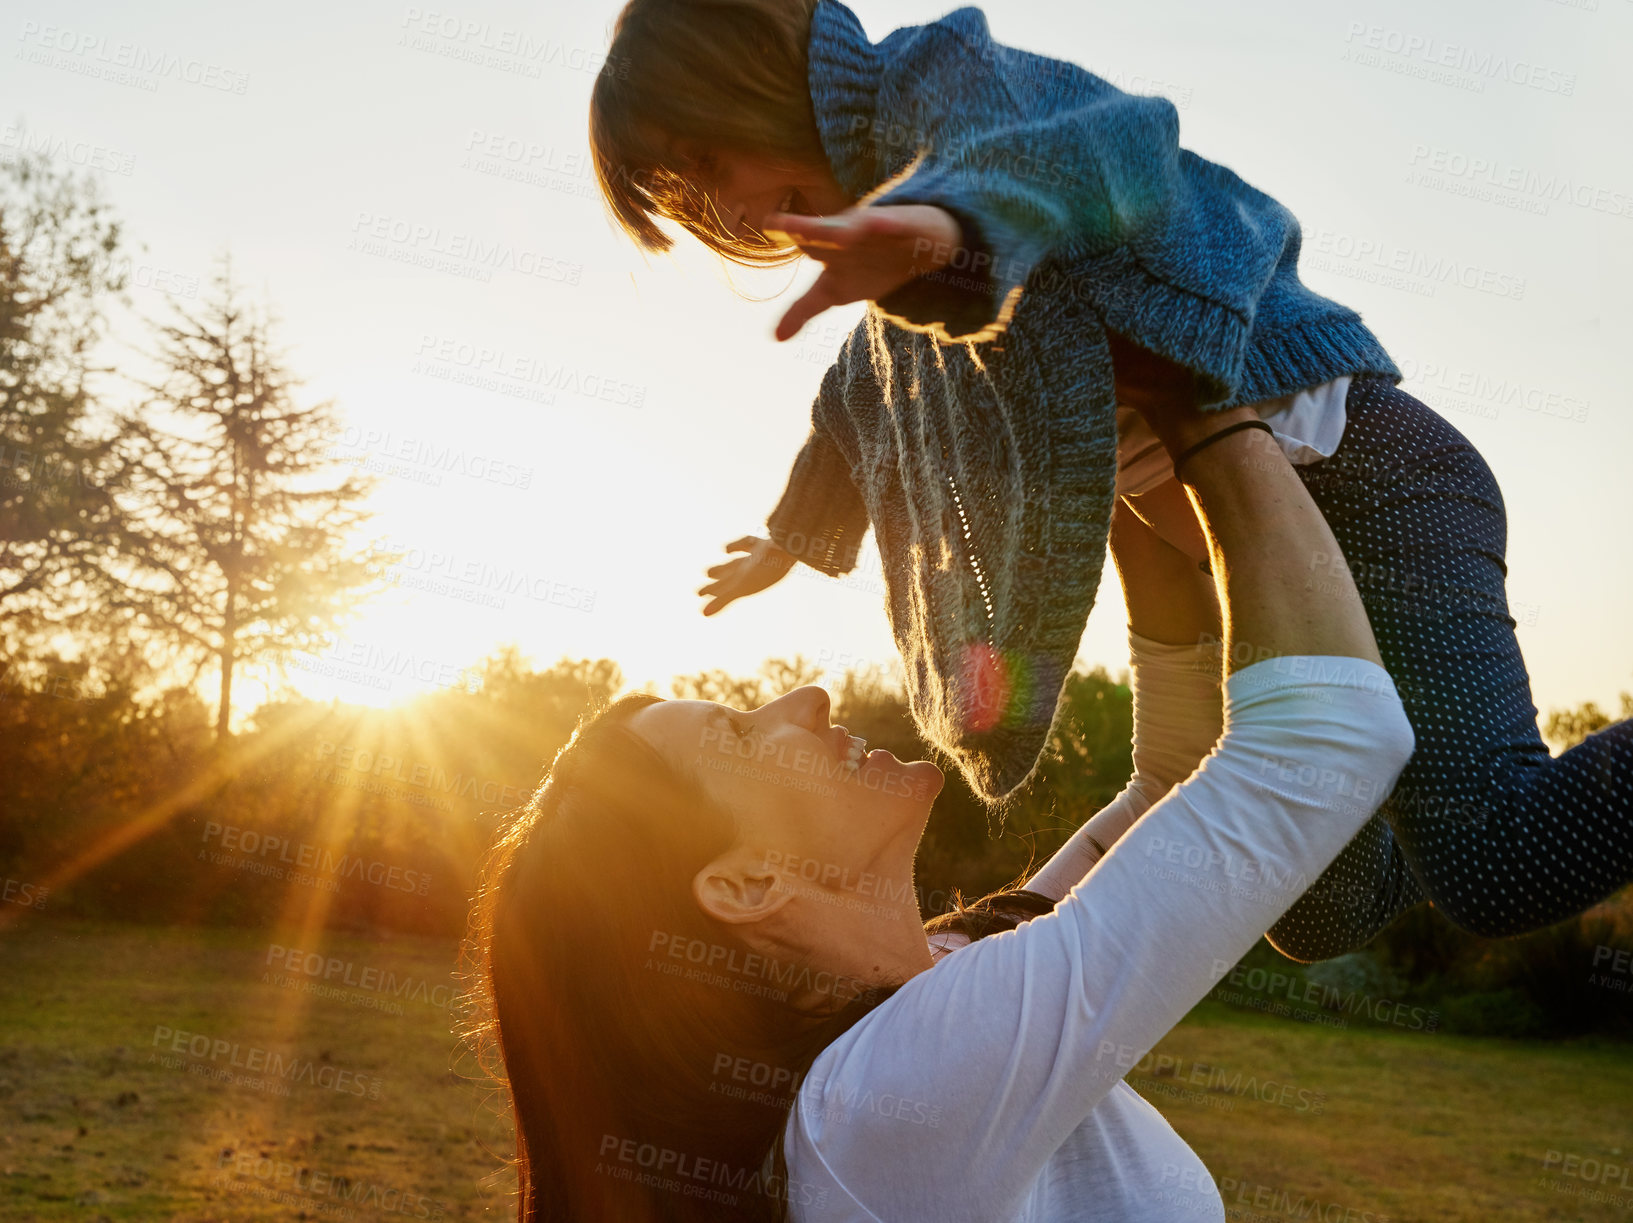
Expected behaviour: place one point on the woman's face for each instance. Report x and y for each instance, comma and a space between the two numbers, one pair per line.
827, 830
748, 193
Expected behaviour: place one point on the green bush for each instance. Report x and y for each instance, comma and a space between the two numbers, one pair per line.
1505, 1012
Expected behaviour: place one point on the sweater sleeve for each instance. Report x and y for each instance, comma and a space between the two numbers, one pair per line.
1035, 155
1010, 1043
820, 518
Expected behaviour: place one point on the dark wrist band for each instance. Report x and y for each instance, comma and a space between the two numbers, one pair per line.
1181, 458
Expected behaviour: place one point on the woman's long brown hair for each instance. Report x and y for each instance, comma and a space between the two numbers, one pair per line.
625, 1063
618, 1052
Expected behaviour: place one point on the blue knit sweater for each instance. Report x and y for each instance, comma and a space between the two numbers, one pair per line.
970, 417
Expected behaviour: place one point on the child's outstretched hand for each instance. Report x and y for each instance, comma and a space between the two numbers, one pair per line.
867, 253
764, 566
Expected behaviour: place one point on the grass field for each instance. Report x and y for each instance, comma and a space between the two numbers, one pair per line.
113, 1108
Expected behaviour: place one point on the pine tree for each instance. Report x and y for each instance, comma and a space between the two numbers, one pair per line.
248, 545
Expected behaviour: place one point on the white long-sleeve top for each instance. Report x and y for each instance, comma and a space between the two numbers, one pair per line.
988, 1089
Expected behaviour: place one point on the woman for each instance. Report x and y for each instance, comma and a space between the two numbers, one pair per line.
713, 996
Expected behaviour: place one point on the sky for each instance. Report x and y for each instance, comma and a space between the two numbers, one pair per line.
554, 414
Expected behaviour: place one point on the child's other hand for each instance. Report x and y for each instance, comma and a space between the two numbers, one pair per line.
867, 253
764, 565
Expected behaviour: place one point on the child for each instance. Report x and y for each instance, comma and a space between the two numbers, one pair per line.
1037, 251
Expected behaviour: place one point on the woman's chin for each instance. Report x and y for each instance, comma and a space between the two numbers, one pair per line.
913, 780
933, 778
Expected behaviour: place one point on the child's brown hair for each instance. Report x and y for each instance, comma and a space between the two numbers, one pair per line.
688, 74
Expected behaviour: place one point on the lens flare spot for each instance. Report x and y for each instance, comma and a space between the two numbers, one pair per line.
986, 687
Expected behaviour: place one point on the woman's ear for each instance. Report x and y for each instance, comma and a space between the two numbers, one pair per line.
737, 888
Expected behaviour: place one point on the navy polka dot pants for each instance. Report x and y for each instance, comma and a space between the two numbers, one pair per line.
1501, 836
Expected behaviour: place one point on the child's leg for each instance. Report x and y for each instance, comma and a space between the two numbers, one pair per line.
1502, 837
1366, 888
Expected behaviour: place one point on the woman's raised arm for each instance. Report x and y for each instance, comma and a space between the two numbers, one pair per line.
1012, 1041
1173, 643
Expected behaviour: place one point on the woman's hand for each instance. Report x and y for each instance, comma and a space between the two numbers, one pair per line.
1263, 529
764, 565
867, 253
